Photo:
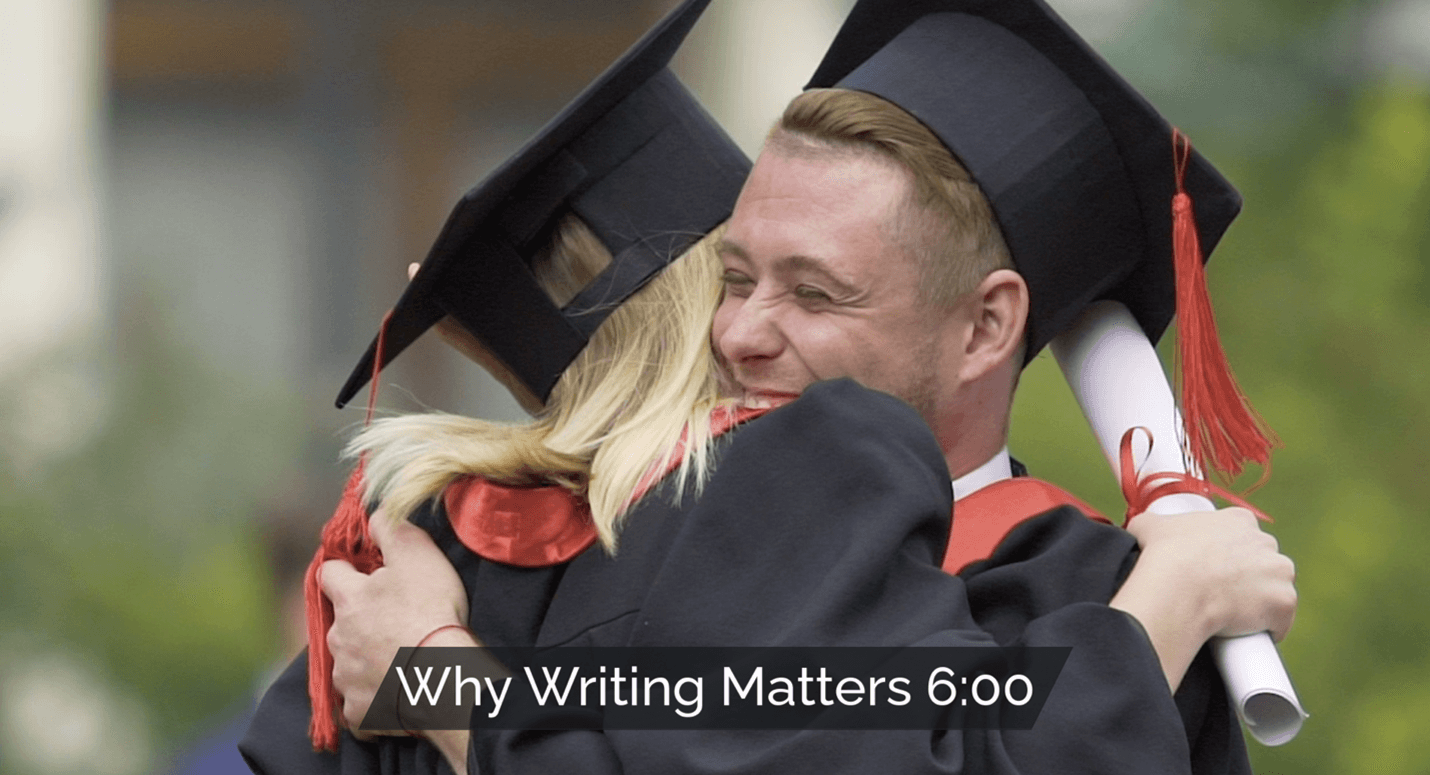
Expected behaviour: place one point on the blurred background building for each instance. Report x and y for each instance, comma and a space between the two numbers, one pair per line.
205, 206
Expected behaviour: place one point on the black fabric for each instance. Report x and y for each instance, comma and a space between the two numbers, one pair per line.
481, 297
822, 525
1076, 164
1017, 467
277, 739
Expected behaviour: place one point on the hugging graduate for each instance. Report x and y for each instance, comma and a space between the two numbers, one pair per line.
823, 522
579, 274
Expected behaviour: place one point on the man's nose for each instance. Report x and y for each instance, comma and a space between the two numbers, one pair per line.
752, 334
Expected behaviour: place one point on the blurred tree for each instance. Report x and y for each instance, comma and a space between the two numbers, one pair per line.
1321, 291
140, 551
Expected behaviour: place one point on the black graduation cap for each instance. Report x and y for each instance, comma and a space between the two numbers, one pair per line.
635, 156
1077, 165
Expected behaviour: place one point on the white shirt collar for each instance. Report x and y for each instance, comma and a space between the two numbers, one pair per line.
998, 468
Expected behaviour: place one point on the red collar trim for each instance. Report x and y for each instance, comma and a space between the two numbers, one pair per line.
531, 527
535, 527
983, 519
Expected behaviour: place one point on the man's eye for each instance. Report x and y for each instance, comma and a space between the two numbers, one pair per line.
809, 293
736, 281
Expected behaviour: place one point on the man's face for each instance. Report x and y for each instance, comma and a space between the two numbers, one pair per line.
816, 286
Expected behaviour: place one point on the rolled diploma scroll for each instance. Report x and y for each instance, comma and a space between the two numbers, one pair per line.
1115, 374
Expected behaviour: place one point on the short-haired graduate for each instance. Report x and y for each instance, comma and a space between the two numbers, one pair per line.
834, 267
1090, 198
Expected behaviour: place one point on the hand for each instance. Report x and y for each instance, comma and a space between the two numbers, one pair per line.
415, 592
1227, 564
1206, 574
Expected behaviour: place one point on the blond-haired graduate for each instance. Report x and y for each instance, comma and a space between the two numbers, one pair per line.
586, 267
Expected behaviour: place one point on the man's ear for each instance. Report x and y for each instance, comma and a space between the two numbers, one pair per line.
998, 312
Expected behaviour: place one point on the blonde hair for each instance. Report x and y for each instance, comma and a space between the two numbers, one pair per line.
948, 225
619, 411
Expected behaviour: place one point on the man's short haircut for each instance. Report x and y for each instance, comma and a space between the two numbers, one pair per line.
948, 227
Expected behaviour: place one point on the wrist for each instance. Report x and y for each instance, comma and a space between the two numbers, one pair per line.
1175, 618
419, 724
1174, 596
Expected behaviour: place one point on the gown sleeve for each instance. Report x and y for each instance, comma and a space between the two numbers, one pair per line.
277, 739
823, 525
1055, 565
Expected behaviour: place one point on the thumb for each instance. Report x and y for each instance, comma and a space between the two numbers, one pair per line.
400, 540
381, 526
337, 577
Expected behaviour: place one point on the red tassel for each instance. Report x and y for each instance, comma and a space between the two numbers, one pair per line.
346, 536
1224, 432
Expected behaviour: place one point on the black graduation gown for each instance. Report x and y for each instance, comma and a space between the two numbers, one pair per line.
824, 524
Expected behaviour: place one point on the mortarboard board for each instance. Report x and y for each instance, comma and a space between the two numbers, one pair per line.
1081, 172
1077, 166
635, 156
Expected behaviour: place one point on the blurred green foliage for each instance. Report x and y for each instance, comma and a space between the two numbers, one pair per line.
139, 553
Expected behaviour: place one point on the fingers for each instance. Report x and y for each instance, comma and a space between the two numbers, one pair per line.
380, 525
1280, 632
1227, 562
337, 578
1285, 620
1233, 523
395, 535
1238, 515
402, 543
1285, 600
412, 270
1263, 594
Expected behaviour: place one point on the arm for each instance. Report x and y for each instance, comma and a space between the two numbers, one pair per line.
277, 743
506, 604
1059, 562
277, 739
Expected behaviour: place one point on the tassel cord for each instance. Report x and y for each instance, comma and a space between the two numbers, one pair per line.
347, 536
